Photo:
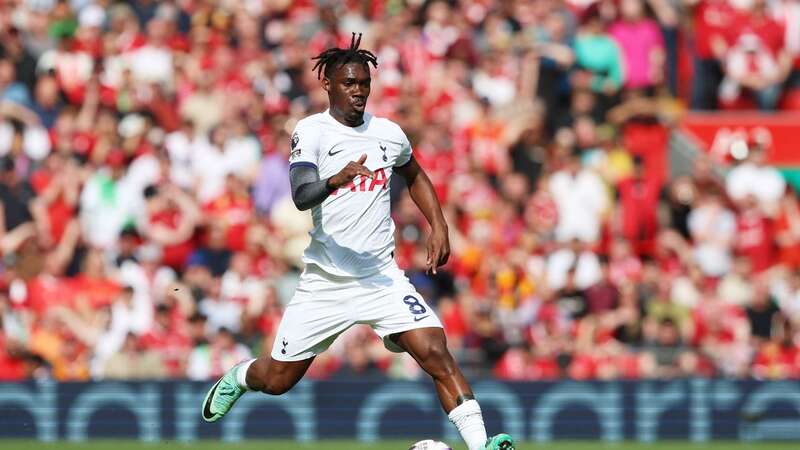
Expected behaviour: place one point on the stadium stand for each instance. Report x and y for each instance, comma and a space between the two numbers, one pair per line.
147, 230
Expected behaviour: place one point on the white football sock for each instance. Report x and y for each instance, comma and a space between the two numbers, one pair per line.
468, 419
241, 374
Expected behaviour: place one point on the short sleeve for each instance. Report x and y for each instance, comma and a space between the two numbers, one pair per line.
405, 151
304, 145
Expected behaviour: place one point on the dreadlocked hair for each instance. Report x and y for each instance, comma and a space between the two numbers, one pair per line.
333, 58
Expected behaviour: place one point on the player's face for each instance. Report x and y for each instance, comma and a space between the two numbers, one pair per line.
348, 91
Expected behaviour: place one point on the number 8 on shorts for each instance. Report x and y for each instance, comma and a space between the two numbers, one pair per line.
414, 305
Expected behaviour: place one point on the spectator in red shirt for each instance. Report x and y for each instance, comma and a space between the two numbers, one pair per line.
232, 210
711, 19
58, 187
50, 287
452, 314
754, 236
172, 217
624, 265
170, 339
722, 332
93, 285
485, 137
776, 360
513, 365
639, 197
756, 59
787, 230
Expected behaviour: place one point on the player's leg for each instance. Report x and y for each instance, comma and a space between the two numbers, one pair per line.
264, 374
310, 324
406, 323
270, 376
428, 346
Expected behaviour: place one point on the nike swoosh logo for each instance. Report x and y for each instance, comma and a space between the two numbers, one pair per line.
331, 152
417, 319
207, 407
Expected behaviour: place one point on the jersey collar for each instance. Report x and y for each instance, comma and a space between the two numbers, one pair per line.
362, 127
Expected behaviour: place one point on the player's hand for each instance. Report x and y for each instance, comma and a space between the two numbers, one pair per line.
438, 249
350, 171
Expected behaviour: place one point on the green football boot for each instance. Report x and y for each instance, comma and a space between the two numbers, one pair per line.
500, 442
222, 396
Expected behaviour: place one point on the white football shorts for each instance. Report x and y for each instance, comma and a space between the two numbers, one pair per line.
325, 305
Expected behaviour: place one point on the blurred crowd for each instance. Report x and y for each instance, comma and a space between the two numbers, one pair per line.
147, 229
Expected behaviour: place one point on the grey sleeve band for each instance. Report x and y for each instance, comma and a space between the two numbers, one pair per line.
308, 190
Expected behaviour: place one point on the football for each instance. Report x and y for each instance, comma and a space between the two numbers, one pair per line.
430, 444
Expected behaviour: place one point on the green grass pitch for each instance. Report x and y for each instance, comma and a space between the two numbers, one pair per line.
383, 445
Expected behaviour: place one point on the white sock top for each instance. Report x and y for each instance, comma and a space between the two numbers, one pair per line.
468, 419
241, 374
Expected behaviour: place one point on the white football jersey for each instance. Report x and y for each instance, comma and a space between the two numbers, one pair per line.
353, 232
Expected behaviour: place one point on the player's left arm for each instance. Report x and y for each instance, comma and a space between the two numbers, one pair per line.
423, 194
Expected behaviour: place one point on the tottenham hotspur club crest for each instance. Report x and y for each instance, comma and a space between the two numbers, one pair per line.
295, 140
383, 149
284, 343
